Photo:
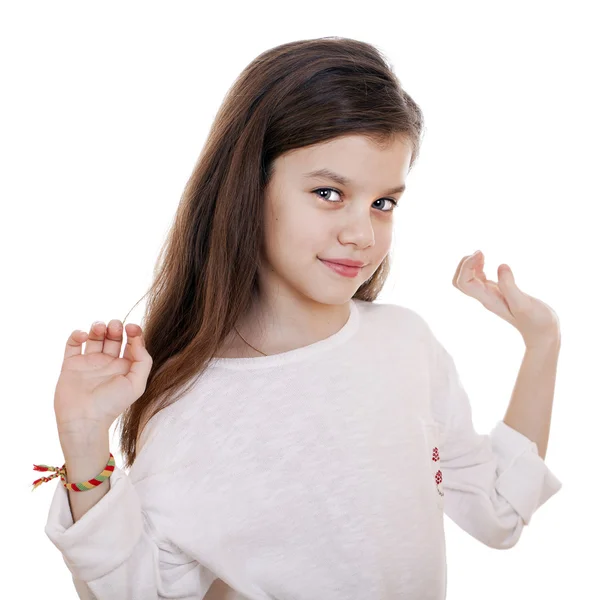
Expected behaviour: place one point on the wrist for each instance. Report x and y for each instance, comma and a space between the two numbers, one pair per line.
83, 463
81, 444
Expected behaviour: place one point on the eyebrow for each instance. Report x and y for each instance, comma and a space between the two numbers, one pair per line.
342, 180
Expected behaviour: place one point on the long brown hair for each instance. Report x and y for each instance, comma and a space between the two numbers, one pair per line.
206, 277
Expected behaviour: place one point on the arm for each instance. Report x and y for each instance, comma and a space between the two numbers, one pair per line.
495, 482
530, 408
86, 451
114, 550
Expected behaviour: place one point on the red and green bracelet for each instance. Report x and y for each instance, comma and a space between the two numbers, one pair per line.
75, 487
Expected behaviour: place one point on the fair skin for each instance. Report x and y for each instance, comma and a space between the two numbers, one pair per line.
302, 300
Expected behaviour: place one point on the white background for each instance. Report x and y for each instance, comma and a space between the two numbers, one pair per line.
105, 108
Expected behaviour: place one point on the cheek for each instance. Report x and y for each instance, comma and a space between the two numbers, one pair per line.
383, 244
384, 239
295, 226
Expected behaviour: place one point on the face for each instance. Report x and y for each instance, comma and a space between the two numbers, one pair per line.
312, 218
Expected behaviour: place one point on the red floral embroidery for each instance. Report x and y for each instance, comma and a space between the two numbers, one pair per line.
438, 476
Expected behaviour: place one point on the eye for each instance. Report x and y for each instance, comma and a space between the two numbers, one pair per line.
327, 189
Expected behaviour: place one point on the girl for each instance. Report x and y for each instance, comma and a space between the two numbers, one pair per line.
286, 436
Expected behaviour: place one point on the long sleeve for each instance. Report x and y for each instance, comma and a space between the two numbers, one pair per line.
114, 551
492, 483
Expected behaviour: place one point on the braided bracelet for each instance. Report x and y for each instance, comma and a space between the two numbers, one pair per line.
75, 487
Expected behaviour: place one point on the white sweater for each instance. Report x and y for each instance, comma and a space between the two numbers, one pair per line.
319, 473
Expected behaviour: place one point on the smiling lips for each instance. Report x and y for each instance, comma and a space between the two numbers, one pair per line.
348, 262
345, 267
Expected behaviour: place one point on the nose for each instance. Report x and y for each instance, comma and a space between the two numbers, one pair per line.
357, 229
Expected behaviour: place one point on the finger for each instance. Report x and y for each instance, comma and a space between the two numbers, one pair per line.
74, 343
457, 272
140, 366
96, 338
132, 331
472, 260
113, 339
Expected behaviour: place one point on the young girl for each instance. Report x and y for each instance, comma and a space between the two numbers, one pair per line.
286, 436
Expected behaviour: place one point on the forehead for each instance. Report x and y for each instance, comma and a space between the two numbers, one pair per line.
357, 157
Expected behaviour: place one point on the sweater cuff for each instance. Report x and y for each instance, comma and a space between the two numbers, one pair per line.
523, 478
104, 537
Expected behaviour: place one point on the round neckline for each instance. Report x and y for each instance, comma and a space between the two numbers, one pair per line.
290, 356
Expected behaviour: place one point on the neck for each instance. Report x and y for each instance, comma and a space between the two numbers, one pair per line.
288, 325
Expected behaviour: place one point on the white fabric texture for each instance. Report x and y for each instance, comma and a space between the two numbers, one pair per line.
322, 472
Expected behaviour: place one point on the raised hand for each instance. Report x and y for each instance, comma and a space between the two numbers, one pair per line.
535, 320
95, 386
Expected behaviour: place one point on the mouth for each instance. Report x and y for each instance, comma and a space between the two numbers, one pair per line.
344, 270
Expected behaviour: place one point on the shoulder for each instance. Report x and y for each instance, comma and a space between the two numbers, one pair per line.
401, 327
393, 315
168, 440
